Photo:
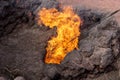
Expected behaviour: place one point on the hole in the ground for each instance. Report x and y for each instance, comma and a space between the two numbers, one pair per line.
24, 48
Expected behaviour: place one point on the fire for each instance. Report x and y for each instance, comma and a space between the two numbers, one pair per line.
67, 23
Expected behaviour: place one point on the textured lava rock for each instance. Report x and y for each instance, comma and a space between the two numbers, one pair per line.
14, 12
19, 78
22, 52
3, 78
96, 49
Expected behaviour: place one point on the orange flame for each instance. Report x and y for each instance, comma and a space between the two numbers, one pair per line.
67, 23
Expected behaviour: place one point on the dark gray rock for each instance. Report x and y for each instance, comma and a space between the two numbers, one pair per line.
102, 57
3, 78
15, 12
50, 4
46, 78
24, 48
50, 71
97, 50
19, 78
72, 65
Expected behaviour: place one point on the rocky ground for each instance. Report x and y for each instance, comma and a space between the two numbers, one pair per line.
102, 6
23, 42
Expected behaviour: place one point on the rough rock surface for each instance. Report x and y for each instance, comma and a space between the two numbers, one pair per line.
97, 51
19, 78
14, 12
22, 51
3, 78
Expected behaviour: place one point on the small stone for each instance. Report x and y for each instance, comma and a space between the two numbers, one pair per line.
19, 78
2, 78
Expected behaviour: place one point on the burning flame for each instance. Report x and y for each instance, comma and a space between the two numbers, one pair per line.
67, 23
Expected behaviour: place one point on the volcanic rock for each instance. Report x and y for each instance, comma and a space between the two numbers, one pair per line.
23, 43
3, 78
19, 78
14, 12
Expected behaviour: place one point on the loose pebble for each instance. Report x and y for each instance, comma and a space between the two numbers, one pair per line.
19, 78
2, 78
